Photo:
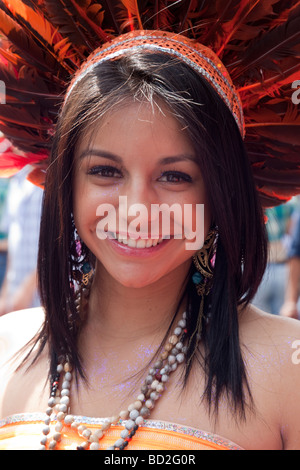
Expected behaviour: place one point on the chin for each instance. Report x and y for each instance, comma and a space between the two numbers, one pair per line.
134, 283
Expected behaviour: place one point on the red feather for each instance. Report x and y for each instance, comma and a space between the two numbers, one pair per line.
258, 41
12, 162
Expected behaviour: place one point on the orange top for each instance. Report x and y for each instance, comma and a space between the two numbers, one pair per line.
24, 431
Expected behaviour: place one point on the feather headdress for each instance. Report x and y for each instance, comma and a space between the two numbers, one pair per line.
44, 42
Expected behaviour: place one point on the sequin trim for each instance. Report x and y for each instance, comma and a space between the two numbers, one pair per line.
185, 59
214, 74
152, 424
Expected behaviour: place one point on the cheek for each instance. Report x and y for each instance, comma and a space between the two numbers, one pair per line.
87, 200
203, 199
197, 215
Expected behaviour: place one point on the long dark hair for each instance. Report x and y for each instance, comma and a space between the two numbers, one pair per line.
242, 243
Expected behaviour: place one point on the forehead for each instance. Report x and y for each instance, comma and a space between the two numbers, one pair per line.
134, 126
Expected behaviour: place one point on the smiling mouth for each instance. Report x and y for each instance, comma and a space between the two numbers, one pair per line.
137, 242
140, 243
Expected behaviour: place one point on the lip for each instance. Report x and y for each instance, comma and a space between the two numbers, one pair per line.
140, 236
137, 252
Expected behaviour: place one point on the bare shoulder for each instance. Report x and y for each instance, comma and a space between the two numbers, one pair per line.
16, 329
271, 338
258, 327
271, 347
17, 384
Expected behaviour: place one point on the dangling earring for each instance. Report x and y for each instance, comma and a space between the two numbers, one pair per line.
82, 274
203, 277
87, 273
203, 261
82, 270
83, 293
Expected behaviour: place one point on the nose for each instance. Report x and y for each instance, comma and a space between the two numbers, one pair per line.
137, 213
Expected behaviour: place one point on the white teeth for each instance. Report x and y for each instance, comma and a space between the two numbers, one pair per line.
139, 243
130, 243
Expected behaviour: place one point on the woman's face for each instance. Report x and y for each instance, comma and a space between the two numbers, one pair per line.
139, 155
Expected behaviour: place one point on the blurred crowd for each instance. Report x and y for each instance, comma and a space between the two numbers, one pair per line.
20, 213
279, 291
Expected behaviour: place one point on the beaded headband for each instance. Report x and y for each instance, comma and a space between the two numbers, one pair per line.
202, 59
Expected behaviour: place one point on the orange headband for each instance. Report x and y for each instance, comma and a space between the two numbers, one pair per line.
199, 57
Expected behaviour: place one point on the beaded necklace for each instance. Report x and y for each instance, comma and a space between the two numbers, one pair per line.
152, 388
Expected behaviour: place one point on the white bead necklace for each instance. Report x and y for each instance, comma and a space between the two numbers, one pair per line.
154, 384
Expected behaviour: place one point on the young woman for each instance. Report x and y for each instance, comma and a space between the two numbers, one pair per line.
150, 346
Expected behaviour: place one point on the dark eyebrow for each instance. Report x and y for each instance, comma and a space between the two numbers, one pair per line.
116, 158
100, 153
179, 158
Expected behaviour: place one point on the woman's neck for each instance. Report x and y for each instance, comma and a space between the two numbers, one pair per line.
121, 314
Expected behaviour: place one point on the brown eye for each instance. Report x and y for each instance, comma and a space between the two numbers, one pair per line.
105, 172
176, 177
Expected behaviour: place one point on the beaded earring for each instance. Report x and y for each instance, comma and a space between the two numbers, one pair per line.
82, 270
203, 277
203, 261
87, 273
82, 273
